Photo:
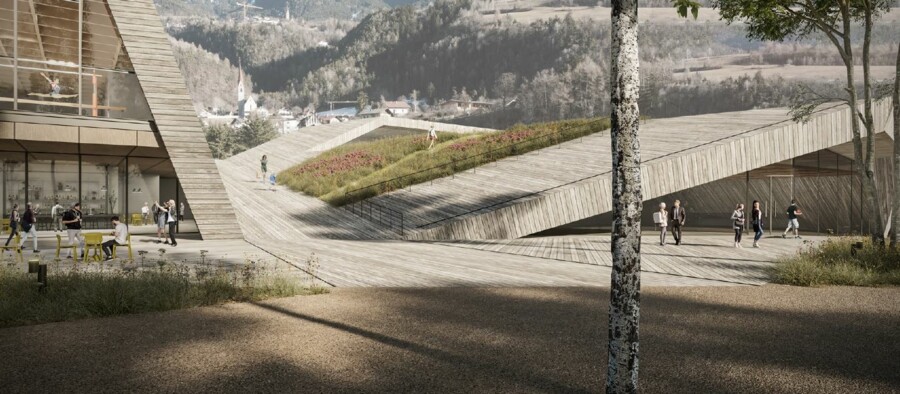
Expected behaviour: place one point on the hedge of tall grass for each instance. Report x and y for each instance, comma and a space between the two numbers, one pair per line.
376, 166
832, 263
78, 293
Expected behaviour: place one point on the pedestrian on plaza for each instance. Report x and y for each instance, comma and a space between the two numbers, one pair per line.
145, 213
13, 223
676, 220
172, 221
159, 216
793, 214
660, 218
29, 227
757, 221
72, 221
56, 215
738, 219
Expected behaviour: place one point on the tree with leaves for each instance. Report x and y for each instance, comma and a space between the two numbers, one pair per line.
221, 141
254, 132
777, 20
362, 100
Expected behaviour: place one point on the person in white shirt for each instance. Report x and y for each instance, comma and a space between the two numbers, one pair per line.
145, 213
660, 218
432, 135
56, 215
120, 237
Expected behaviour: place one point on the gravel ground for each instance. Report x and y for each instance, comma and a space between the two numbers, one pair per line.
732, 339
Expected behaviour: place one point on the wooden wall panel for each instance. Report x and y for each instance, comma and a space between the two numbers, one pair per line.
163, 85
666, 175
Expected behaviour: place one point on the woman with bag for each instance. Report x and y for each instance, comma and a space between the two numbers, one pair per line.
756, 219
13, 223
29, 228
159, 216
738, 218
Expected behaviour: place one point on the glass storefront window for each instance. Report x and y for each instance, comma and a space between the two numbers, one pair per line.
13, 180
51, 178
101, 191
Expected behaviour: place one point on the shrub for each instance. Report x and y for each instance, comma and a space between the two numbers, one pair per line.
832, 263
77, 293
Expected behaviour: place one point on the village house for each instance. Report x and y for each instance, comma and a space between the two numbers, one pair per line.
397, 108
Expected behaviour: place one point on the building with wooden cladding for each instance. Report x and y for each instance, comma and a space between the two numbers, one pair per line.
94, 109
710, 162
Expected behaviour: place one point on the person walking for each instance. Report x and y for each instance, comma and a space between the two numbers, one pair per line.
159, 216
172, 221
56, 215
29, 227
757, 221
432, 135
272, 181
120, 235
72, 221
13, 223
676, 220
793, 214
738, 219
660, 218
264, 167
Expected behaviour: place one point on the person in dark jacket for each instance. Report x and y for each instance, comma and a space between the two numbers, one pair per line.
676, 220
13, 223
29, 227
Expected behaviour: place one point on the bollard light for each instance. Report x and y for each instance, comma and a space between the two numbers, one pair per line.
42, 277
33, 266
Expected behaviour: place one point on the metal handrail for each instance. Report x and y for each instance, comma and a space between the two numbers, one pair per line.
455, 161
381, 209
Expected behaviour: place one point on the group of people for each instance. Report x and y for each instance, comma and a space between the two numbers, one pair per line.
166, 217
72, 220
675, 219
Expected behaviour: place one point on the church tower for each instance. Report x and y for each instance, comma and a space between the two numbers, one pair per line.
241, 95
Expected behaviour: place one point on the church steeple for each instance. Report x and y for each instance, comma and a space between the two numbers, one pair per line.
240, 90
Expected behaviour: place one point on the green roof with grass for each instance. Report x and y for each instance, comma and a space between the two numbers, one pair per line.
357, 171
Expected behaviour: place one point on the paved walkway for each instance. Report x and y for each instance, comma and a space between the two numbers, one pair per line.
769, 339
355, 252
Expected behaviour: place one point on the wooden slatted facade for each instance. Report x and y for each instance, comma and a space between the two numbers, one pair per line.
148, 46
667, 171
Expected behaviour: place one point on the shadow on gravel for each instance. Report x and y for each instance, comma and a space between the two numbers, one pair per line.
733, 339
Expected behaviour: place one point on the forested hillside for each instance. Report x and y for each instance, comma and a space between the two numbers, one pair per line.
552, 68
256, 43
211, 80
300, 9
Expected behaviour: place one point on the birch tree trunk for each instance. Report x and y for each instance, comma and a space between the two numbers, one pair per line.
870, 185
624, 303
896, 222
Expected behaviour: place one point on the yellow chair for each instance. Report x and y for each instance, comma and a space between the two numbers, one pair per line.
94, 243
14, 247
137, 219
60, 246
128, 244
6, 225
